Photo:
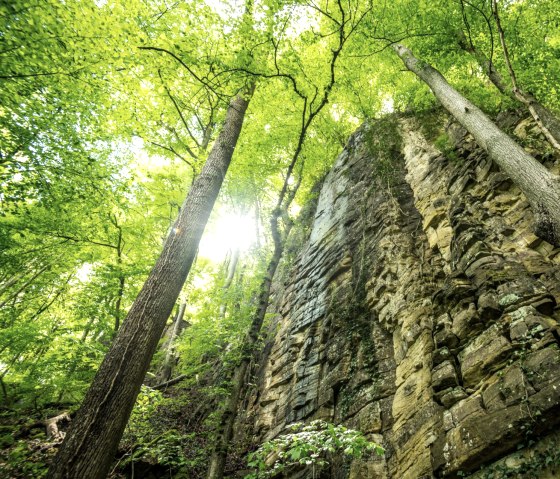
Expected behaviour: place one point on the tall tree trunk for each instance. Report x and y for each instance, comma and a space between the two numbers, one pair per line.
224, 432
540, 186
7, 401
92, 440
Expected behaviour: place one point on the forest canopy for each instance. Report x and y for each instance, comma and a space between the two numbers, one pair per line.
110, 110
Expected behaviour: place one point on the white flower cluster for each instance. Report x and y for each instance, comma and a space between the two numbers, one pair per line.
315, 444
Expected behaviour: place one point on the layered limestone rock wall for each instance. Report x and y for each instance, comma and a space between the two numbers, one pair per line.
422, 311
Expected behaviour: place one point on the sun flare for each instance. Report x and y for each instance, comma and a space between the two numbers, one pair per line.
228, 232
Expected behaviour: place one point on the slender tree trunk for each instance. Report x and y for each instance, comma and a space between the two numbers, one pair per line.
171, 382
224, 432
231, 267
74, 364
546, 120
540, 186
168, 362
7, 401
118, 303
166, 370
92, 440
121, 278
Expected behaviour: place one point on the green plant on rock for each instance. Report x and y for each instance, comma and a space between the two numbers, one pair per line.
384, 144
315, 445
444, 144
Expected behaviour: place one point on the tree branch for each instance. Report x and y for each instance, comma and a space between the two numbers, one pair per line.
183, 120
184, 65
526, 99
81, 240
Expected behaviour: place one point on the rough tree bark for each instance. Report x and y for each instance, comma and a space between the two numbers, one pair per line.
92, 440
163, 377
540, 186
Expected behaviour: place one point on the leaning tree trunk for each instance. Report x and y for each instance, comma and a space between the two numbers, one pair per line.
92, 440
540, 186
224, 432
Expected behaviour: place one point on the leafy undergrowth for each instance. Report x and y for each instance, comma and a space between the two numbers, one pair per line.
25, 450
317, 445
167, 435
27, 458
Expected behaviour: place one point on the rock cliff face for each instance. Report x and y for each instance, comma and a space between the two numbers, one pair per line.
421, 311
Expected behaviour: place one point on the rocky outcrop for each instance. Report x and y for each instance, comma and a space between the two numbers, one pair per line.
421, 310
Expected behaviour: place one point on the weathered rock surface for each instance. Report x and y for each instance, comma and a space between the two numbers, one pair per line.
421, 311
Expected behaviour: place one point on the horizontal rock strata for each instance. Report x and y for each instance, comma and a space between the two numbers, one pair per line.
421, 311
